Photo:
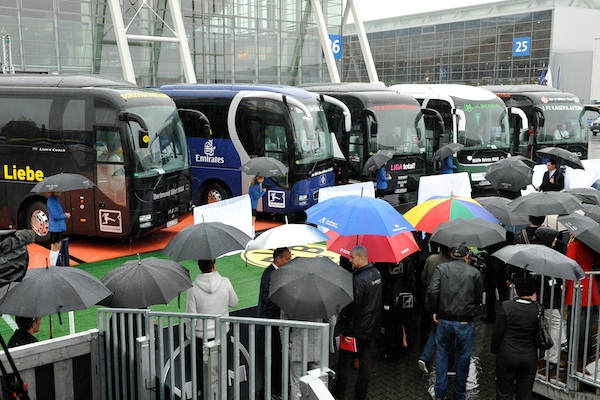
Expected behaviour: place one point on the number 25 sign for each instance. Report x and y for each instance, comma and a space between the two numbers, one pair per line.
521, 46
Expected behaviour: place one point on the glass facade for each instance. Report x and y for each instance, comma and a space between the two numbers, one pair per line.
231, 41
475, 52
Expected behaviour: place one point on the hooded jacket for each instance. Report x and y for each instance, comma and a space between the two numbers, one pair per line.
210, 294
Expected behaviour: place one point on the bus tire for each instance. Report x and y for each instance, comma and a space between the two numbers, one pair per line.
38, 220
212, 193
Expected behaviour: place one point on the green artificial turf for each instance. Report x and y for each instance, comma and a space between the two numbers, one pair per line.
244, 277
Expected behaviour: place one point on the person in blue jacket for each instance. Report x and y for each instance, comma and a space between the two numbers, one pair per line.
382, 181
256, 191
448, 166
57, 225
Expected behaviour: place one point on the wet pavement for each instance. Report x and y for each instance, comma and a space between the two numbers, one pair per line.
402, 379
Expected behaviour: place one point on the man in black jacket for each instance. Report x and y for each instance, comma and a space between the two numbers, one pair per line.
553, 180
360, 320
454, 293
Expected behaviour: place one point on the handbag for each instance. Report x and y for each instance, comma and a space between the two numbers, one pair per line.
543, 340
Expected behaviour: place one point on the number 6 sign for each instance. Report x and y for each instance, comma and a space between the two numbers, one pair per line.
521, 46
335, 43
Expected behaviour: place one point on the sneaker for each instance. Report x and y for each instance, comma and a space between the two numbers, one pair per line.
423, 366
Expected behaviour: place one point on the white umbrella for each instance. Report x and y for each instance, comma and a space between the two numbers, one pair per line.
287, 235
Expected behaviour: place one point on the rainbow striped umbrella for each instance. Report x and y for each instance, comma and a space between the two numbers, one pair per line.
430, 214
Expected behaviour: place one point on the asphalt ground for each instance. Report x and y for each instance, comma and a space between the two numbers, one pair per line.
402, 379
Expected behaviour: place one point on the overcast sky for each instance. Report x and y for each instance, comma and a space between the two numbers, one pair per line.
378, 9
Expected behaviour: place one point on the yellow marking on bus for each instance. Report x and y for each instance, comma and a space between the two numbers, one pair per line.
13, 173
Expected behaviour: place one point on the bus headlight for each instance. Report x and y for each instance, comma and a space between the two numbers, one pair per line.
477, 176
145, 218
146, 225
302, 199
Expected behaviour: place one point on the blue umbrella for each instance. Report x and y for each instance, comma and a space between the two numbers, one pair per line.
358, 215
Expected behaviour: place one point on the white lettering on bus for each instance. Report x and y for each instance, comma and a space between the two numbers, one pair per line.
212, 160
171, 192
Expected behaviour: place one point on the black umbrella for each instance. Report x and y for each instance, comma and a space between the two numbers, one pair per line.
310, 288
583, 228
564, 157
377, 160
264, 166
545, 203
470, 232
591, 211
205, 241
586, 195
498, 207
509, 174
528, 161
447, 150
63, 182
142, 283
541, 260
50, 290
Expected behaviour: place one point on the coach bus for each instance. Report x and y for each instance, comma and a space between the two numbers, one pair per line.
247, 121
473, 117
381, 119
127, 140
556, 118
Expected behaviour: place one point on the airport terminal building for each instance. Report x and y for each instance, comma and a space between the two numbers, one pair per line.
506, 42
241, 41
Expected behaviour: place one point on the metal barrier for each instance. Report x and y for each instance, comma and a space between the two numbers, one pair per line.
62, 368
583, 364
146, 355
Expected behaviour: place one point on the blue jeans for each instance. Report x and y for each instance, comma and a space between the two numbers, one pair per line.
450, 334
427, 354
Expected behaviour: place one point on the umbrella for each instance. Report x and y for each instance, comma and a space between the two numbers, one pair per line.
264, 166
586, 195
62, 182
541, 260
509, 174
391, 249
429, 214
470, 232
142, 283
50, 290
358, 215
528, 161
447, 150
377, 160
545, 203
564, 157
583, 228
498, 207
311, 288
205, 241
591, 211
287, 235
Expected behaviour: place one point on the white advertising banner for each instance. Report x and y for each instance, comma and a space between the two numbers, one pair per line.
444, 185
236, 212
366, 189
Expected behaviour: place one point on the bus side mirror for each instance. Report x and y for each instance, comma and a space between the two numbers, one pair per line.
374, 128
309, 127
143, 139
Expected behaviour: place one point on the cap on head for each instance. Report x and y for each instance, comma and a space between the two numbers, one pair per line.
460, 251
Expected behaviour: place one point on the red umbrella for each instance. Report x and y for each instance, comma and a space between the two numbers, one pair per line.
381, 248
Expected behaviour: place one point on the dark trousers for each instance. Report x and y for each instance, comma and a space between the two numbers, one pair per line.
582, 330
364, 354
515, 372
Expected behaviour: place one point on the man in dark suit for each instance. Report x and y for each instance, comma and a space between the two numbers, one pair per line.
554, 180
268, 309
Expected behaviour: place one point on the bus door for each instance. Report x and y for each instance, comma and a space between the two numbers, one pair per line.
111, 185
434, 135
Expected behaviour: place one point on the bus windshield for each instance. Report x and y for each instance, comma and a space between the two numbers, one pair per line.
164, 152
565, 123
399, 128
486, 125
315, 146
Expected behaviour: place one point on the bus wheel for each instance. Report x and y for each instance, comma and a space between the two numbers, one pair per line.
213, 193
38, 221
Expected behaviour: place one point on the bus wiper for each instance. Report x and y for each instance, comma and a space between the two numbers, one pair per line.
313, 169
160, 176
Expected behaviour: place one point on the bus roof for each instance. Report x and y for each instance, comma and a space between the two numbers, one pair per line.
452, 90
535, 92
63, 81
348, 87
229, 90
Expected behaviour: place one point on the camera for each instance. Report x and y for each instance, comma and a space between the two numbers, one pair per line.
478, 260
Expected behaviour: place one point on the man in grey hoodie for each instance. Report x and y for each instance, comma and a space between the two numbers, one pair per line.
210, 294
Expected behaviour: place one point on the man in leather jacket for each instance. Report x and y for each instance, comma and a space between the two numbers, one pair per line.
360, 320
454, 293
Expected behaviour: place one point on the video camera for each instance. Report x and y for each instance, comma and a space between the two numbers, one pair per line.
478, 260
